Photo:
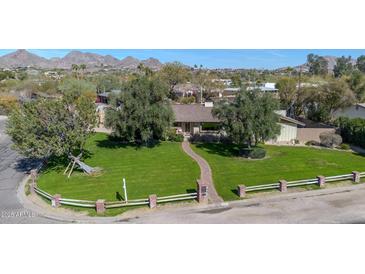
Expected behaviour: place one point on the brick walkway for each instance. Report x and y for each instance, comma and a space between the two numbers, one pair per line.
205, 173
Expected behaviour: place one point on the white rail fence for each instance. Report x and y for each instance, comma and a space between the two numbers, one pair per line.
102, 205
282, 185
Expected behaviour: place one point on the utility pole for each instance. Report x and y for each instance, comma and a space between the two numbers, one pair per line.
125, 190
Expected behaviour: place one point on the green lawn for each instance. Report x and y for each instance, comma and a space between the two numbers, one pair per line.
163, 170
281, 162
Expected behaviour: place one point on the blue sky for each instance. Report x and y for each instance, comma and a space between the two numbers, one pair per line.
212, 58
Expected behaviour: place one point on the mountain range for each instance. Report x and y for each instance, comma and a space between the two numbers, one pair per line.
331, 62
23, 58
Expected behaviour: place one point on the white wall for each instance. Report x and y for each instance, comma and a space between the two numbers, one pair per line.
288, 132
350, 112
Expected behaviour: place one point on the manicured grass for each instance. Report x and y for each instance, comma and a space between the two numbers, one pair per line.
163, 170
281, 162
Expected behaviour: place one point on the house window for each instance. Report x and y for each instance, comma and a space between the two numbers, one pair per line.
210, 126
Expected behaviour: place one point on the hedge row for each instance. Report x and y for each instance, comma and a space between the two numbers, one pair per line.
352, 130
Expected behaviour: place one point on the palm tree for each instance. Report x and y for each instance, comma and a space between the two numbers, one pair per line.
82, 67
75, 69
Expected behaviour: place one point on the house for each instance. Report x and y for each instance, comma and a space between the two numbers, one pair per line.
103, 97
186, 90
354, 111
198, 119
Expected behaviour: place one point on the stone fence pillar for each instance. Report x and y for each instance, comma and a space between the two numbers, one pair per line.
202, 192
152, 201
100, 206
321, 180
241, 190
356, 177
56, 200
283, 186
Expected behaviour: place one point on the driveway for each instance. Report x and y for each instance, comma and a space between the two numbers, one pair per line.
13, 169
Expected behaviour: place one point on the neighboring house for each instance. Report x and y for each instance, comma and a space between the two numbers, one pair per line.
103, 97
186, 90
198, 119
354, 111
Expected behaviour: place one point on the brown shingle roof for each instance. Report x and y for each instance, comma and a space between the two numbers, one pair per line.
193, 113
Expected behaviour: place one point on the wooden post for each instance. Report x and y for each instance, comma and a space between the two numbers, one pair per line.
321, 180
241, 190
356, 177
283, 186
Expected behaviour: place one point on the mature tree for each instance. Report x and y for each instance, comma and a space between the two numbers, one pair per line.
236, 80
82, 67
356, 82
45, 128
106, 83
343, 66
318, 65
141, 113
327, 98
74, 87
287, 92
173, 74
250, 118
360, 63
75, 68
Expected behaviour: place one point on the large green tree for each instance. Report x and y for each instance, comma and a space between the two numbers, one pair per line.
44, 128
141, 113
343, 66
327, 98
287, 88
318, 65
173, 74
250, 118
360, 63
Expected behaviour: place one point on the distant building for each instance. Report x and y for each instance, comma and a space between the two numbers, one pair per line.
103, 97
186, 90
354, 111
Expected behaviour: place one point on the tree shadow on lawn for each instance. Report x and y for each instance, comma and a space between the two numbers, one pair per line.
59, 164
227, 150
114, 143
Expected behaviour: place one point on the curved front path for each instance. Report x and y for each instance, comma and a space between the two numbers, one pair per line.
205, 173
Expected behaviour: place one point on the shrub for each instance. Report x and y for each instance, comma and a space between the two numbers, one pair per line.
329, 139
172, 136
253, 153
352, 130
257, 153
296, 141
344, 146
312, 143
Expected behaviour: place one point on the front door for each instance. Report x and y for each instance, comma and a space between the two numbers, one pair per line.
187, 128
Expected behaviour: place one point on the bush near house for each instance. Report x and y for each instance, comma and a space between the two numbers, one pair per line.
352, 130
329, 139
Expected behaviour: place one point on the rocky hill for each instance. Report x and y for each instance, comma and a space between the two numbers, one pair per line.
23, 58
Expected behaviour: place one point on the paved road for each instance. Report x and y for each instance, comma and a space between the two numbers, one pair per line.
335, 205
12, 171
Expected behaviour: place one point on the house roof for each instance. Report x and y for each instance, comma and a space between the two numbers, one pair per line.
193, 113
201, 113
291, 120
361, 105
